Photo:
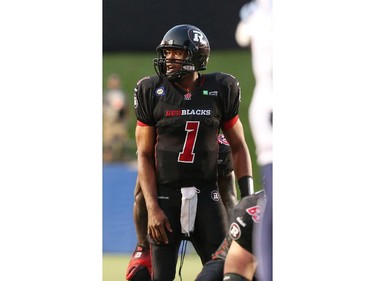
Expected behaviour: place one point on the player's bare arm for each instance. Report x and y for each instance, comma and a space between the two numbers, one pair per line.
140, 216
157, 220
240, 152
240, 261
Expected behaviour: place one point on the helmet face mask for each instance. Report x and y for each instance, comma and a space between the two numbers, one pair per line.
186, 37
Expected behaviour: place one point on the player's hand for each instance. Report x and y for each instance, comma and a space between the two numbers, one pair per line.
158, 223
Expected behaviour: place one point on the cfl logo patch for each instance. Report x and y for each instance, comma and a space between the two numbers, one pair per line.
160, 91
235, 231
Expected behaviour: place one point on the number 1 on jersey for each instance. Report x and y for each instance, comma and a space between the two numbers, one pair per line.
187, 155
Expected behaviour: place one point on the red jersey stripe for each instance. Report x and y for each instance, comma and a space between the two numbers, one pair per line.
229, 124
140, 123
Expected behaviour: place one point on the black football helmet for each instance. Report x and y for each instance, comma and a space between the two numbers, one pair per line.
187, 37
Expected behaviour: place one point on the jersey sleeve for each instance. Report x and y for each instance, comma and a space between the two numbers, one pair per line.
231, 99
246, 216
143, 102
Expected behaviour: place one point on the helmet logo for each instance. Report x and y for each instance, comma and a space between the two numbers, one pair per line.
198, 37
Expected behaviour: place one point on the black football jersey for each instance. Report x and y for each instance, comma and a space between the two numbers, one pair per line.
187, 125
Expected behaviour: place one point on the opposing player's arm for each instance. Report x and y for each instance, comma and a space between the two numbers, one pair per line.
240, 261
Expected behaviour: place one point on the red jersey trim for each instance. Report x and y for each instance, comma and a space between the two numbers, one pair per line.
229, 124
140, 123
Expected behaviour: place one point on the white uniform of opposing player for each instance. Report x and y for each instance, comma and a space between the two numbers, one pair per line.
255, 30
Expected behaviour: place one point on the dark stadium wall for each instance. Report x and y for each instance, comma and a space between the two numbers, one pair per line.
130, 25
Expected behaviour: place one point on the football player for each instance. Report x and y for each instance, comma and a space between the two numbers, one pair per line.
179, 115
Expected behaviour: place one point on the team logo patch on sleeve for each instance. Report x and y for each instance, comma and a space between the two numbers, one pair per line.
160, 92
235, 231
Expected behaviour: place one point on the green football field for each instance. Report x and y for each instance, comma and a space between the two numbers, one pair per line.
114, 267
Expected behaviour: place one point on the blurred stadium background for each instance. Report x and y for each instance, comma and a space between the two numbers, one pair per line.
131, 32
